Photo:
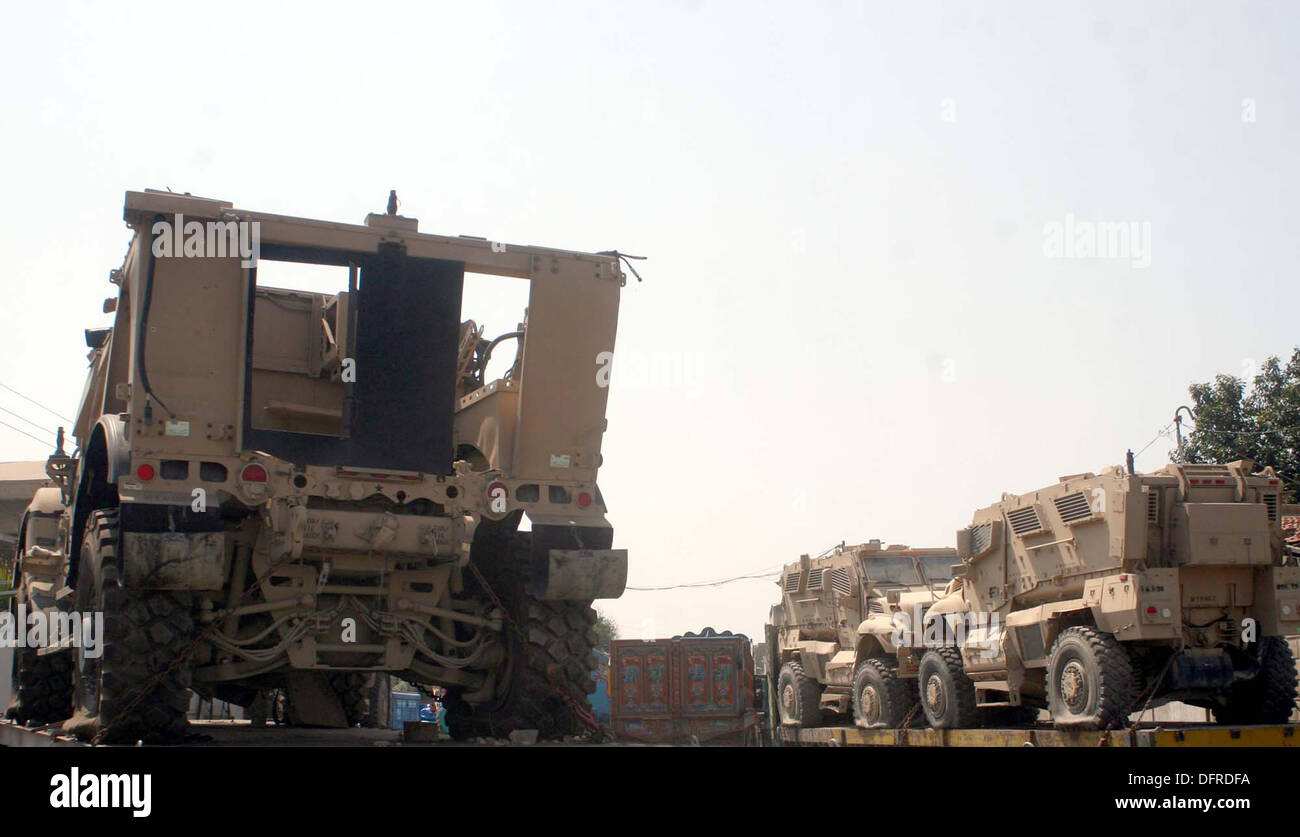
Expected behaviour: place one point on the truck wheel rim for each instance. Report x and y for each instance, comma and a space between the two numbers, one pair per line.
787, 700
934, 695
1074, 686
869, 704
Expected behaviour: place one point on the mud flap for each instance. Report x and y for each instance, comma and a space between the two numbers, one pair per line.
575, 562
173, 560
583, 575
312, 703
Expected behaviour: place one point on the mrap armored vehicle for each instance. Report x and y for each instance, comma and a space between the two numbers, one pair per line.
1109, 593
834, 631
280, 489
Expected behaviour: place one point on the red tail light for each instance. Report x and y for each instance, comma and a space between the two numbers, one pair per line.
584, 499
145, 472
253, 472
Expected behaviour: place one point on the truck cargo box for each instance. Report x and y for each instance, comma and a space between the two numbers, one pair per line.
692, 688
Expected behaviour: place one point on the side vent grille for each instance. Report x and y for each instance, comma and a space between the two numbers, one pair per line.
1270, 502
875, 605
1025, 521
981, 538
1153, 506
792, 582
841, 583
1074, 508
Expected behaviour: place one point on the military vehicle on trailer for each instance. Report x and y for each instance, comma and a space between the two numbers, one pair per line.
1105, 594
281, 489
834, 626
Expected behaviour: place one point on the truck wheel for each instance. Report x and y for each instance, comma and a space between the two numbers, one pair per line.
1269, 696
550, 652
947, 694
798, 697
880, 698
1090, 681
137, 689
42, 685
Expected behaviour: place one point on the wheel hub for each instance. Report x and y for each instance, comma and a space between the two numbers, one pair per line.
869, 704
1074, 686
787, 700
934, 694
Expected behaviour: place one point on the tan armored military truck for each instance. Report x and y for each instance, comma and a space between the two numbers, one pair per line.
834, 626
1105, 594
281, 489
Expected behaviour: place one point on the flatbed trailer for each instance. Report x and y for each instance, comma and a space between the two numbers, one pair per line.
226, 733
1164, 735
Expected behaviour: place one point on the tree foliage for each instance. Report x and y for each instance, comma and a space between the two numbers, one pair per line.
1260, 423
606, 630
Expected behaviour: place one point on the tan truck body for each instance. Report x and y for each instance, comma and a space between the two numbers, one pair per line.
325, 482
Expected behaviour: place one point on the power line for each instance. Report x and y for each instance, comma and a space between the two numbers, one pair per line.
37, 403
763, 574
25, 433
1239, 432
1164, 431
718, 583
29, 421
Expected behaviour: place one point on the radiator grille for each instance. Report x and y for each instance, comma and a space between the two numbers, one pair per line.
1270, 502
792, 582
815, 579
1153, 506
981, 538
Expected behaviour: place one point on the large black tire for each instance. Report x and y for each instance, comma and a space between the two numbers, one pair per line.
139, 688
798, 697
550, 652
1090, 680
947, 693
1268, 697
42, 684
880, 697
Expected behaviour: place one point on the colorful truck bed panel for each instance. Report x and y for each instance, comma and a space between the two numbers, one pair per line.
695, 687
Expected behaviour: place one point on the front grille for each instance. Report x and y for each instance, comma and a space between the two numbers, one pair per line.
981, 538
815, 579
792, 582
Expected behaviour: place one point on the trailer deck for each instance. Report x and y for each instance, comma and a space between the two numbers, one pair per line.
1172, 735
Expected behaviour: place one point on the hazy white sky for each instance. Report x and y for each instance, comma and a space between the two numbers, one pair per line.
850, 327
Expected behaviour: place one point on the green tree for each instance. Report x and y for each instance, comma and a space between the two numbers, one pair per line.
1262, 423
606, 630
